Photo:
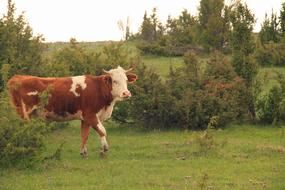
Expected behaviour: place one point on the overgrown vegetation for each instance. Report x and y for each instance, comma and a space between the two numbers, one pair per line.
21, 141
191, 96
20, 50
217, 92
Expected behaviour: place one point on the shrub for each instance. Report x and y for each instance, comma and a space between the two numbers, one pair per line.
271, 106
217, 91
21, 141
191, 97
151, 99
272, 54
152, 48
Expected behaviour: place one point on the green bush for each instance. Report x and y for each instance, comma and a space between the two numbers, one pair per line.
149, 103
21, 141
272, 54
271, 106
152, 48
190, 97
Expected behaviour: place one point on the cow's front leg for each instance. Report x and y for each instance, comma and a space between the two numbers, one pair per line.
93, 121
101, 131
85, 129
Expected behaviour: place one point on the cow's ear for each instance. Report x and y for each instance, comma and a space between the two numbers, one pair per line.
108, 79
132, 77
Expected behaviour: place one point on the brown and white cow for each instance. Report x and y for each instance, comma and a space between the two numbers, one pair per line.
87, 98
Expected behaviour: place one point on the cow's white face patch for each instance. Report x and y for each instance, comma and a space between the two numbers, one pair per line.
78, 81
119, 82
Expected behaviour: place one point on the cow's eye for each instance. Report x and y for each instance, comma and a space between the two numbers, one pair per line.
115, 82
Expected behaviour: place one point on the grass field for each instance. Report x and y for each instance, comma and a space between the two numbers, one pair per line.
238, 157
242, 157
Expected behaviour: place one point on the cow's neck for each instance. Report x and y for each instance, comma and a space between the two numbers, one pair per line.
108, 99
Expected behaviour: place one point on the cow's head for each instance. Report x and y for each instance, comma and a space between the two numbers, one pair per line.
119, 79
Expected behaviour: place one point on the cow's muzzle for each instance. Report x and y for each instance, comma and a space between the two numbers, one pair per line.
126, 94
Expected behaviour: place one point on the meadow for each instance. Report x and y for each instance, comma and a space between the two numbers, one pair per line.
241, 156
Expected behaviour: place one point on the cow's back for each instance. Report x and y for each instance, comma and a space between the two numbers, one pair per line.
64, 95
24, 91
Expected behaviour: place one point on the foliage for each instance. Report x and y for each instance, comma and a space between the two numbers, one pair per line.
190, 97
242, 20
271, 54
214, 25
242, 43
271, 106
282, 20
18, 47
149, 103
180, 32
173, 39
269, 29
74, 59
21, 141
151, 29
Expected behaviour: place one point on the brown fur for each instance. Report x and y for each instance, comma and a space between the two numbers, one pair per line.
94, 97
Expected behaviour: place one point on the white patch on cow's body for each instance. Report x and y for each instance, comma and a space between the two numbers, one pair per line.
24, 110
102, 137
77, 81
33, 93
106, 112
102, 128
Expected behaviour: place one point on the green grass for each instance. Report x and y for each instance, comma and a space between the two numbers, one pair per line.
162, 64
244, 157
267, 76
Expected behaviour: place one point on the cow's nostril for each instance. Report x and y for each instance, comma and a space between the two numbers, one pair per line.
127, 94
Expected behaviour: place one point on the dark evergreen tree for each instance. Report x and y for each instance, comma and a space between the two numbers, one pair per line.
282, 20
151, 29
18, 47
242, 43
213, 24
181, 30
269, 29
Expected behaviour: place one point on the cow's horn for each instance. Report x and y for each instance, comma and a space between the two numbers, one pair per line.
128, 70
107, 72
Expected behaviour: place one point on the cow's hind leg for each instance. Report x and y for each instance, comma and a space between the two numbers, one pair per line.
24, 113
101, 131
85, 129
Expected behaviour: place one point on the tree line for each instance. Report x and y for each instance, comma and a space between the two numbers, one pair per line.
212, 29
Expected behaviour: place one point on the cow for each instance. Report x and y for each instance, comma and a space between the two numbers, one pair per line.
87, 98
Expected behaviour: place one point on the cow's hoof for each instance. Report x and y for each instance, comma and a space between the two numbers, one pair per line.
84, 154
105, 148
103, 154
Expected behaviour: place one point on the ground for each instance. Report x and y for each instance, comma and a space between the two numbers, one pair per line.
239, 157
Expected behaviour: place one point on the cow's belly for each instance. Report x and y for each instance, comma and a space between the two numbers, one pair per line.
52, 116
